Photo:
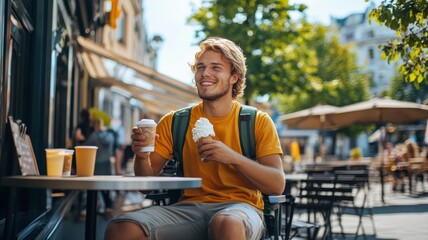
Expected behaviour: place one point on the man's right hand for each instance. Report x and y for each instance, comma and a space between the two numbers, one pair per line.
138, 141
145, 163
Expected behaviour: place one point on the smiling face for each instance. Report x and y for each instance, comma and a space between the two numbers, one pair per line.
213, 76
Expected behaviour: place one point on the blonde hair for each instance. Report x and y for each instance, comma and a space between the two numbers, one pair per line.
232, 53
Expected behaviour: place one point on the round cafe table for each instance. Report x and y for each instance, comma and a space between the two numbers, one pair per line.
92, 185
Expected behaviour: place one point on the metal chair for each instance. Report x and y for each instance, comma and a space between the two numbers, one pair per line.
315, 199
273, 211
352, 198
288, 209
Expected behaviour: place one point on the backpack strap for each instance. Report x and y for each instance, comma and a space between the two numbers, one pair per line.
247, 119
180, 123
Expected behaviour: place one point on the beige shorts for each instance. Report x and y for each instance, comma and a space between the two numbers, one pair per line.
188, 221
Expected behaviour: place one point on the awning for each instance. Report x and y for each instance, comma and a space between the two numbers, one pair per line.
159, 93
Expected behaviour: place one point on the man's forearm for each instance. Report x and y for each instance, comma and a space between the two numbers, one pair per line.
256, 173
142, 167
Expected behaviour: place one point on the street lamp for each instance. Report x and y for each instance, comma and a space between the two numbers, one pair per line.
156, 43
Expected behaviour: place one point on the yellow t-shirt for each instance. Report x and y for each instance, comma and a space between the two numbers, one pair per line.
220, 182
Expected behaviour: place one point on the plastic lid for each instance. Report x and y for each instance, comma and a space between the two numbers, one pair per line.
95, 147
146, 123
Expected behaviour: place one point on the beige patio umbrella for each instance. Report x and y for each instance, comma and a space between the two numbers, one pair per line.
380, 111
317, 117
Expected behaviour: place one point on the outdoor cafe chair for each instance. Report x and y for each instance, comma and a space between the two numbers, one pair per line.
417, 169
292, 227
285, 221
315, 201
352, 198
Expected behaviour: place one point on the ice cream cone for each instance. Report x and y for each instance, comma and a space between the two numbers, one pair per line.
207, 137
202, 129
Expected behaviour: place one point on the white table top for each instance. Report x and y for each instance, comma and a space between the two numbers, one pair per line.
295, 176
102, 182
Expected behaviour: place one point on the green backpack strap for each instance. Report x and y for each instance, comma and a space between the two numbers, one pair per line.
180, 123
247, 119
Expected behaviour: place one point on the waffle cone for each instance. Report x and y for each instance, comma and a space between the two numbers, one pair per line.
207, 137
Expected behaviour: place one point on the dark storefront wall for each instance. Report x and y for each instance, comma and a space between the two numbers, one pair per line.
24, 86
30, 92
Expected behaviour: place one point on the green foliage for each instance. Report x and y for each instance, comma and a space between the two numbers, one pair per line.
410, 20
292, 60
276, 62
334, 80
405, 91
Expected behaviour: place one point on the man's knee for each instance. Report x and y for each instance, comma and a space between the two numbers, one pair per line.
226, 220
124, 231
224, 226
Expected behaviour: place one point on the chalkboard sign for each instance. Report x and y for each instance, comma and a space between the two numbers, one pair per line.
24, 148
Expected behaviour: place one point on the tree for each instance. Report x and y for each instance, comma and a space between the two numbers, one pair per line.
410, 20
405, 91
336, 78
266, 33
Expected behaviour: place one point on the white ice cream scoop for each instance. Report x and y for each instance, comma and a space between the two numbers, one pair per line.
203, 128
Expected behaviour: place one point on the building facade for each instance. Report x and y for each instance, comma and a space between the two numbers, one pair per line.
366, 37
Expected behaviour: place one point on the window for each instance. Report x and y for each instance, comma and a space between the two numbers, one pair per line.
349, 36
121, 28
371, 53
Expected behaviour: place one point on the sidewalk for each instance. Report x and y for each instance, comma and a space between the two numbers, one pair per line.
404, 216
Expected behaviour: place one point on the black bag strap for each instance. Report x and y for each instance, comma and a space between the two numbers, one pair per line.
180, 123
247, 119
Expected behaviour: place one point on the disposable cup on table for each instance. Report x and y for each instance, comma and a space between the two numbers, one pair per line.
85, 160
54, 161
68, 158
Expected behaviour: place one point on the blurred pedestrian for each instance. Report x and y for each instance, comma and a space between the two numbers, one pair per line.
117, 130
83, 128
104, 140
80, 135
405, 152
295, 151
412, 150
295, 154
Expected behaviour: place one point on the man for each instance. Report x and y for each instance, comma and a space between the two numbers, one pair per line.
229, 204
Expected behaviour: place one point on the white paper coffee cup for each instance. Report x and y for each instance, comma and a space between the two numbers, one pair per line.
148, 128
85, 160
